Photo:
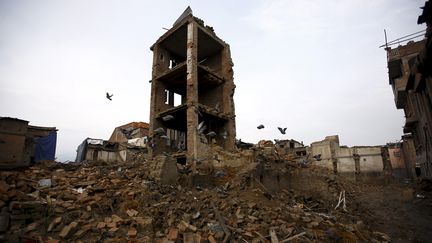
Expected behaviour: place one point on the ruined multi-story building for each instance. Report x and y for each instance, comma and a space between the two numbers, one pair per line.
410, 77
192, 105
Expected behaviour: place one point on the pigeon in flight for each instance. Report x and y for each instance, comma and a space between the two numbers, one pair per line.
282, 130
217, 108
260, 126
159, 131
127, 133
168, 118
164, 137
201, 127
224, 134
211, 134
108, 96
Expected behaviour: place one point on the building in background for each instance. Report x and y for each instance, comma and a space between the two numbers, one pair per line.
132, 130
290, 147
100, 150
22, 144
402, 164
125, 142
365, 160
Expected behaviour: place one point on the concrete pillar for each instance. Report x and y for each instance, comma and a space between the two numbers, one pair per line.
228, 96
333, 156
192, 93
153, 89
153, 95
356, 158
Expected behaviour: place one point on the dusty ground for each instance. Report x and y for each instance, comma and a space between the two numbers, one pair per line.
97, 202
397, 209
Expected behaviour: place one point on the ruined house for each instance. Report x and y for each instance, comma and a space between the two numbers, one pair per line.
400, 164
410, 77
192, 105
290, 147
365, 160
100, 150
125, 142
132, 130
22, 144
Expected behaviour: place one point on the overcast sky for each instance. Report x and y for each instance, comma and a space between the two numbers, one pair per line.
311, 66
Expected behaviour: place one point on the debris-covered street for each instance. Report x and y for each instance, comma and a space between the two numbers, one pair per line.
100, 202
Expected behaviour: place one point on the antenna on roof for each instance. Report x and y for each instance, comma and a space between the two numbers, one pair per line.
404, 38
386, 45
187, 12
385, 35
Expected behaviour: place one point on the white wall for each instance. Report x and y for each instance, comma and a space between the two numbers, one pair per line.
370, 157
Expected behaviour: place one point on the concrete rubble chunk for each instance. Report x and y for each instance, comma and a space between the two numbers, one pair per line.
111, 225
43, 183
54, 223
101, 225
64, 233
132, 212
113, 229
211, 239
184, 225
116, 218
32, 226
132, 232
172, 234
4, 187
52, 241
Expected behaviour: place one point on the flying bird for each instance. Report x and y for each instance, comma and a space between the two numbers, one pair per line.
181, 146
108, 96
224, 134
127, 133
201, 127
282, 130
217, 108
260, 126
159, 131
168, 118
211, 134
164, 137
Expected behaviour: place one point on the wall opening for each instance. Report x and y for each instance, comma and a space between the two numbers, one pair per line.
172, 98
95, 155
177, 99
181, 160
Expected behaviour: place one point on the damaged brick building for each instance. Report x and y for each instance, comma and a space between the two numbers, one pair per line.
192, 91
410, 77
22, 144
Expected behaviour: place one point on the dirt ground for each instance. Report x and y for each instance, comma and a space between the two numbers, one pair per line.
401, 210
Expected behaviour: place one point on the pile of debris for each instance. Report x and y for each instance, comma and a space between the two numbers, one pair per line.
102, 202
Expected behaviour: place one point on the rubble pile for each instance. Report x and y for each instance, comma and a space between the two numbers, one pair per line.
99, 202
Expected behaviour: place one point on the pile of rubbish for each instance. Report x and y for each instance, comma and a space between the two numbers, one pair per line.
100, 202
